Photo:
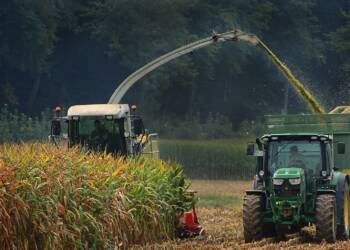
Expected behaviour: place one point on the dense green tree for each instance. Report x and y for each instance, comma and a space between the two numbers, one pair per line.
26, 40
341, 41
77, 51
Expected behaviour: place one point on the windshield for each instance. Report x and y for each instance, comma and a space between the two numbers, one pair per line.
299, 154
99, 134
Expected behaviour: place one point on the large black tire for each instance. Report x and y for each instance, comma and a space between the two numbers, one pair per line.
343, 213
326, 218
252, 217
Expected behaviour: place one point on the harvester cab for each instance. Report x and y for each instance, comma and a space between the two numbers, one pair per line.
111, 128
301, 178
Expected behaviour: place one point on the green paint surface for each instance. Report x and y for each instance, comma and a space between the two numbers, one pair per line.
288, 173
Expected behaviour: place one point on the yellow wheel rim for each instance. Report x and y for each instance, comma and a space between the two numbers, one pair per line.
346, 210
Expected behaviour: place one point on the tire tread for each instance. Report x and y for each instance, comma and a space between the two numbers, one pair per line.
325, 216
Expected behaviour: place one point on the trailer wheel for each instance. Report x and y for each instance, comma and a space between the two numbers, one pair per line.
252, 217
343, 203
326, 218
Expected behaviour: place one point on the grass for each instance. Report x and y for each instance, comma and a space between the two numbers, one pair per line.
219, 201
210, 159
56, 199
219, 193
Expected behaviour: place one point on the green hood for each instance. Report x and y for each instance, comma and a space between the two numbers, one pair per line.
288, 173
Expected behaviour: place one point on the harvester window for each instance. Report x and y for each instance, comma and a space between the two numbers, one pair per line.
100, 134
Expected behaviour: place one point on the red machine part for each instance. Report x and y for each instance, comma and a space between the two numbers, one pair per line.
189, 225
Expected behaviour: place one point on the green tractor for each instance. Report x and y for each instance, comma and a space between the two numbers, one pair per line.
301, 177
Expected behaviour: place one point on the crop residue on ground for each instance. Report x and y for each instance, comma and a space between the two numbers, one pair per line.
225, 231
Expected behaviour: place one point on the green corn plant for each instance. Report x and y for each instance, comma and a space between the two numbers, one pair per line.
52, 198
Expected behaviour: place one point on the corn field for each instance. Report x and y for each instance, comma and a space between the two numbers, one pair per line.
19, 127
67, 199
210, 159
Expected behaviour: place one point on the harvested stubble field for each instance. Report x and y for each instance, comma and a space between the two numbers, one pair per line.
221, 217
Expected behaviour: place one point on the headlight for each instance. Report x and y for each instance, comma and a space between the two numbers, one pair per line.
261, 173
278, 181
294, 181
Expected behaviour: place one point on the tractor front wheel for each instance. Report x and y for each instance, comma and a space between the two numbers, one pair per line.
326, 218
252, 217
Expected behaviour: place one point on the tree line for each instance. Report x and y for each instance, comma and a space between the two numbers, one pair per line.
77, 51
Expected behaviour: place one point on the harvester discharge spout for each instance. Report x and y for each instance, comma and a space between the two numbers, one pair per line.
151, 66
235, 35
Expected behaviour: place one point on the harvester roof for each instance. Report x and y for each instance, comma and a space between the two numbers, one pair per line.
115, 110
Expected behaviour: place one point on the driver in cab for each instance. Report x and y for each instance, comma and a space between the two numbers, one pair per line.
296, 159
99, 136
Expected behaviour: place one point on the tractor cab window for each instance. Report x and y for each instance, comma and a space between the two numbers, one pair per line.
100, 134
298, 154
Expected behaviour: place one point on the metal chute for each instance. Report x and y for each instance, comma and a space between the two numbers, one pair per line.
234, 35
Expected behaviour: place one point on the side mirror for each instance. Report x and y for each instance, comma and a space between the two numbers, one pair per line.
56, 127
250, 149
341, 148
138, 126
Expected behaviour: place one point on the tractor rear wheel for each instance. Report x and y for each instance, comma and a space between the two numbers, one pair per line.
252, 217
326, 218
343, 204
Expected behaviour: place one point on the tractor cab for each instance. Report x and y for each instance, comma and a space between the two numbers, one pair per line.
307, 153
109, 128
